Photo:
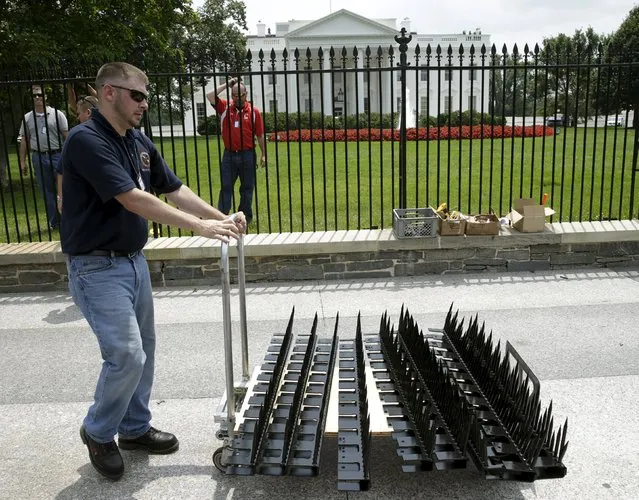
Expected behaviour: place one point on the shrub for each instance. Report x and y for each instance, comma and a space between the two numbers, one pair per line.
454, 118
427, 121
209, 125
303, 121
412, 134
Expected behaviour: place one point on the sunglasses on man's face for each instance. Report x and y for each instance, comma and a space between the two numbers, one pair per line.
136, 95
36, 96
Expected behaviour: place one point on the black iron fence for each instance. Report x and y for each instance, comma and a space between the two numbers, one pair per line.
354, 132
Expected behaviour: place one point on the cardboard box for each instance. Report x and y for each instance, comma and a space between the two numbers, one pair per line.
528, 216
451, 227
482, 225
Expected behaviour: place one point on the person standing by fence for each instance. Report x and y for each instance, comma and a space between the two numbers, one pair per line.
241, 121
83, 108
43, 131
110, 168
73, 101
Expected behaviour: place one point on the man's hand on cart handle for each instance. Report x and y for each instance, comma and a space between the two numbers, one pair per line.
222, 230
240, 221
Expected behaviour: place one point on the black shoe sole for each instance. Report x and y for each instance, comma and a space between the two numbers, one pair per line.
137, 446
108, 475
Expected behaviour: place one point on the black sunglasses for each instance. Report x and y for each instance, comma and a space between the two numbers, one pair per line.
37, 95
136, 95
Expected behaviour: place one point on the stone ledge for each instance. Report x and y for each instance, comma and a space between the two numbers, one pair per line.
596, 232
341, 242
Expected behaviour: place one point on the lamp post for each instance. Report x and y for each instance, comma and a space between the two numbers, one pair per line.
403, 40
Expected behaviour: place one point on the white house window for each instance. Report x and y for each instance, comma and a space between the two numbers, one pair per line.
365, 76
423, 75
472, 75
472, 102
307, 76
448, 73
423, 104
272, 79
448, 100
272, 106
200, 109
308, 104
366, 105
399, 103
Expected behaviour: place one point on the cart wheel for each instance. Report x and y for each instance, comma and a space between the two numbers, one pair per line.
217, 460
221, 434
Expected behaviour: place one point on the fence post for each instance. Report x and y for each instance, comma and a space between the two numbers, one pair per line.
403, 40
635, 169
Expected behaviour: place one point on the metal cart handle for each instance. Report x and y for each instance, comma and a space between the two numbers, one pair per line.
226, 314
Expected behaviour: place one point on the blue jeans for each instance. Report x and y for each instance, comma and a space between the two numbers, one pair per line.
234, 165
114, 295
44, 166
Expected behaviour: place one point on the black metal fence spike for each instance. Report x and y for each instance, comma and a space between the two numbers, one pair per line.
564, 444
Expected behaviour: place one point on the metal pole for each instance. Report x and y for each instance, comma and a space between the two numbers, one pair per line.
403, 40
243, 329
635, 169
228, 339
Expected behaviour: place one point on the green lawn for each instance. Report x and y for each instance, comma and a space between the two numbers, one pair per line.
356, 185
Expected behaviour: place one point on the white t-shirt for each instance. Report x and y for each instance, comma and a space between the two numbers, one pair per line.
45, 135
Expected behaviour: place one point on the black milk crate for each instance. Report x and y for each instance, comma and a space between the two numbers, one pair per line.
415, 222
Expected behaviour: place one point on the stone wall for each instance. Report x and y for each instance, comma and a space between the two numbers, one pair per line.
348, 255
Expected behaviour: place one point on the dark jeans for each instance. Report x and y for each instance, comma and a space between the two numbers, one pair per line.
234, 165
44, 165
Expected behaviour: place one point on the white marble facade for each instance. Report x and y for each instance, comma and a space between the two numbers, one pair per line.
350, 91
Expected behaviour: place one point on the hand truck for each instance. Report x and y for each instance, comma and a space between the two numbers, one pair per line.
443, 396
234, 394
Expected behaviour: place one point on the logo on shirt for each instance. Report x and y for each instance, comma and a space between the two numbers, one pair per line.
146, 160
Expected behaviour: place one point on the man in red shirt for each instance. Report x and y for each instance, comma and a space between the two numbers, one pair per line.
241, 121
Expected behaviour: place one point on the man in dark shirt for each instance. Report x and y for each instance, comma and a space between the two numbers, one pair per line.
109, 169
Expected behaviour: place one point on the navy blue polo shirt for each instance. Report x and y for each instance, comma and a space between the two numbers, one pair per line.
99, 164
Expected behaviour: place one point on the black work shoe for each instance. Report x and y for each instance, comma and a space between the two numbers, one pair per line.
105, 457
153, 441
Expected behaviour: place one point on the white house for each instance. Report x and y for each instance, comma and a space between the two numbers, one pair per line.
349, 90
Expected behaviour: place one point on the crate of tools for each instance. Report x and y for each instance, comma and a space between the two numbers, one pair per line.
451, 223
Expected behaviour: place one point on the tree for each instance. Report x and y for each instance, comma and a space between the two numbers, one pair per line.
34, 33
512, 82
212, 41
215, 38
624, 48
69, 38
569, 84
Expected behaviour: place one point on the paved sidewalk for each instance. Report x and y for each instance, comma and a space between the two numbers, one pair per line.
578, 331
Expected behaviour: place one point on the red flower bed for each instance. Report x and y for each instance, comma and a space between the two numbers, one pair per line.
429, 134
